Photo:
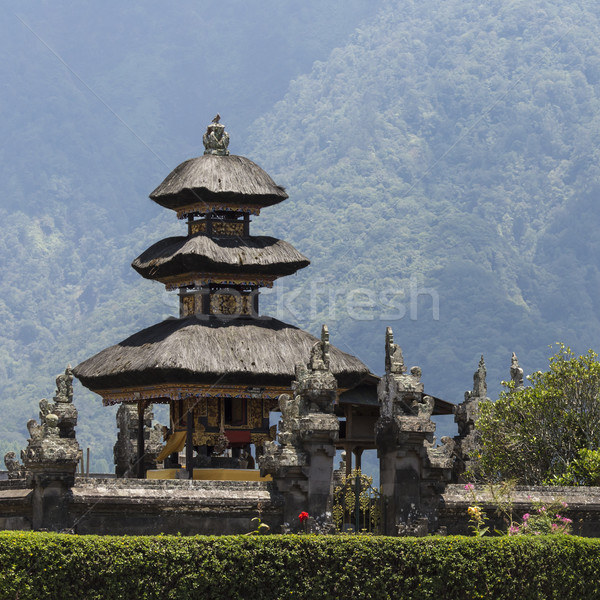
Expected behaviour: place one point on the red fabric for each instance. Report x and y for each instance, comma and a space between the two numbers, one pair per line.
238, 437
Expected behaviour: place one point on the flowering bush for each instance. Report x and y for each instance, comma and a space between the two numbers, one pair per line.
546, 520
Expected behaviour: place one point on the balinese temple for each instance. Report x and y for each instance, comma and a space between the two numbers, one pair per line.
221, 366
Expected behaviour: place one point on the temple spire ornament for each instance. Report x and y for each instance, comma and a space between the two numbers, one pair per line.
216, 139
516, 373
394, 361
479, 382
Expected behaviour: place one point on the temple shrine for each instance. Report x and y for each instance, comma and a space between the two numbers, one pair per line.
220, 366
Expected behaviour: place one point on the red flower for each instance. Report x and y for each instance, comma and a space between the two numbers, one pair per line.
303, 516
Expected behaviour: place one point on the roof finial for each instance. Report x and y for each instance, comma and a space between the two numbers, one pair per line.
216, 139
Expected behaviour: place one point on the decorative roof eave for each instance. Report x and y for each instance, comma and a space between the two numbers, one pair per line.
202, 208
197, 280
164, 393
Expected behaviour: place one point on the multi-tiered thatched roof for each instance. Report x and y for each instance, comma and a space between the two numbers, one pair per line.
209, 350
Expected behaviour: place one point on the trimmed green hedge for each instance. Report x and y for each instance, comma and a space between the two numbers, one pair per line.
43, 565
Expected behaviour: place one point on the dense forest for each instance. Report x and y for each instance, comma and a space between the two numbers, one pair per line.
440, 159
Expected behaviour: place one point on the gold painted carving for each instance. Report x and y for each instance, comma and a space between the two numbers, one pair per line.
213, 412
198, 435
200, 408
220, 228
230, 304
206, 439
197, 227
168, 392
255, 413
188, 305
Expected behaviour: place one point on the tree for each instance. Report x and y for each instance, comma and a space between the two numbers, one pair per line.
542, 433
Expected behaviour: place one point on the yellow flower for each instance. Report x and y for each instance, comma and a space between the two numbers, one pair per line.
474, 512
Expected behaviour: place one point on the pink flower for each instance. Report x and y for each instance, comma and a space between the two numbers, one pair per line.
564, 504
513, 529
526, 516
565, 520
554, 526
469, 487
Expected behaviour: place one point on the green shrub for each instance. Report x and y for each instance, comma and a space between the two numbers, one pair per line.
43, 565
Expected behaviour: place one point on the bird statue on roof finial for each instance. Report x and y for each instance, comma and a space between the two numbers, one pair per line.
216, 139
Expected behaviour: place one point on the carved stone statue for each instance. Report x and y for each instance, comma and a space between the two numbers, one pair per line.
424, 406
516, 373
35, 431
14, 468
64, 386
319, 355
216, 139
394, 361
290, 413
45, 408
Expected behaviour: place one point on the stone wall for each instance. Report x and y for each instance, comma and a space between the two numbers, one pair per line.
147, 507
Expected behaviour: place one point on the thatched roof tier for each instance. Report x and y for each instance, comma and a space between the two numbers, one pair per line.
259, 255
234, 180
214, 351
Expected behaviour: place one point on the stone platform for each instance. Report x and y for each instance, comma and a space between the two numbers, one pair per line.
209, 474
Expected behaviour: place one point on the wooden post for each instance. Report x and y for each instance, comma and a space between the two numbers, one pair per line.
189, 441
140, 441
358, 453
348, 449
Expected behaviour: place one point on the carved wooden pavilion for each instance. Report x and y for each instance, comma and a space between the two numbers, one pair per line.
220, 366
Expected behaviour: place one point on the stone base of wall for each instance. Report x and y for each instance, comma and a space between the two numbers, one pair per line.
149, 507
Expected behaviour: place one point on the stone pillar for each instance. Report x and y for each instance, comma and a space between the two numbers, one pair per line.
52, 457
412, 472
302, 465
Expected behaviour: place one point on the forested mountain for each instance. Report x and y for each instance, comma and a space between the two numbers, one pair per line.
435, 153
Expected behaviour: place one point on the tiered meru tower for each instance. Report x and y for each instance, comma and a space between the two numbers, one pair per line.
220, 366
